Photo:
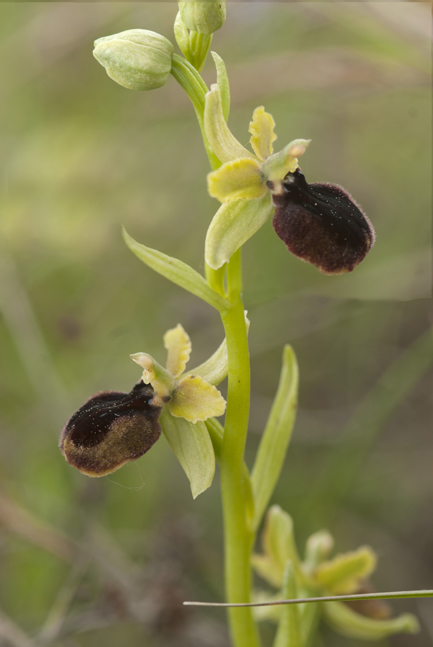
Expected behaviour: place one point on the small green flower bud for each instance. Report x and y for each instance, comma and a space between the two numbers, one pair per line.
138, 59
204, 17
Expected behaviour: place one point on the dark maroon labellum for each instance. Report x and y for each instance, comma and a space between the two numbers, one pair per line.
111, 429
321, 224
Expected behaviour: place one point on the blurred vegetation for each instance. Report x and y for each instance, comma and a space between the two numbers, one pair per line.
109, 561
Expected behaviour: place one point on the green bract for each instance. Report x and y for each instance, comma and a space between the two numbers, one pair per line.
244, 182
203, 17
137, 59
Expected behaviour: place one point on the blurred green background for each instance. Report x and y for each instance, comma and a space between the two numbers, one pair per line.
88, 562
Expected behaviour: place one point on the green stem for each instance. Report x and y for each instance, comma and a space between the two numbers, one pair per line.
235, 481
194, 86
238, 538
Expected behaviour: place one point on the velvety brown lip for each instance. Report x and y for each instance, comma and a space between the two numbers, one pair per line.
110, 429
322, 224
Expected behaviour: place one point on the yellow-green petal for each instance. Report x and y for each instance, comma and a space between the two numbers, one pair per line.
224, 144
262, 133
153, 373
276, 167
195, 399
239, 179
343, 574
178, 344
353, 625
233, 224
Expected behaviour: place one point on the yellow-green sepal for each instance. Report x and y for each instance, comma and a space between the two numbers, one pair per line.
224, 144
241, 178
215, 369
351, 624
262, 133
344, 574
193, 449
178, 344
195, 399
233, 224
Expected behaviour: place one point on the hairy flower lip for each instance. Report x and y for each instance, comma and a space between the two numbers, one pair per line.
321, 224
110, 429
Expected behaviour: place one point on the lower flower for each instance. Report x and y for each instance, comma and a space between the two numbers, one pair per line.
111, 429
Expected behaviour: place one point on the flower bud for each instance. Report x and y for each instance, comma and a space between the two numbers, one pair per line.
138, 59
111, 429
204, 17
321, 224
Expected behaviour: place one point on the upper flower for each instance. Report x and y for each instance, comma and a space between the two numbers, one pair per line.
187, 395
244, 182
319, 223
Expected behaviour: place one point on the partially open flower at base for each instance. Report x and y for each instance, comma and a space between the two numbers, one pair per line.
321, 224
111, 429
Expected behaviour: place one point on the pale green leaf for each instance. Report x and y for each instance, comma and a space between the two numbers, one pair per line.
233, 224
344, 573
195, 399
347, 622
177, 272
193, 448
241, 178
262, 133
224, 144
289, 627
277, 435
223, 84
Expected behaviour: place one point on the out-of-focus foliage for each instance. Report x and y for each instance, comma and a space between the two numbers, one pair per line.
109, 561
